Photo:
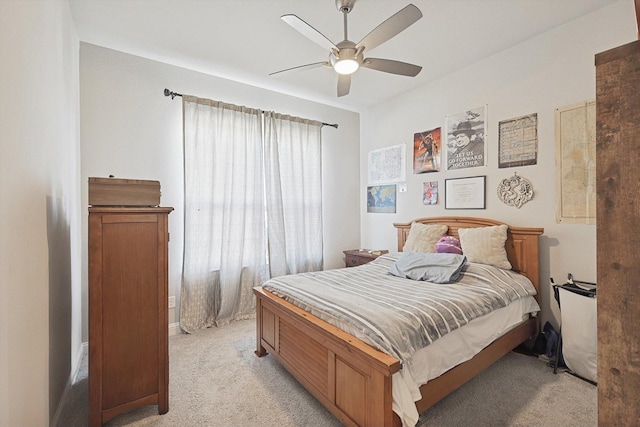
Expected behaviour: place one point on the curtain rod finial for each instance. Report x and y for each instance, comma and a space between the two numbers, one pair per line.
167, 92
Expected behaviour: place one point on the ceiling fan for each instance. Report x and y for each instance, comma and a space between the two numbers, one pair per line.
346, 57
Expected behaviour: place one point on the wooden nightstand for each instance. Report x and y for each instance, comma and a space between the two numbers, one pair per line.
357, 257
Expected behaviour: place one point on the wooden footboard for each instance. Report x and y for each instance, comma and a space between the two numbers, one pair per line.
349, 377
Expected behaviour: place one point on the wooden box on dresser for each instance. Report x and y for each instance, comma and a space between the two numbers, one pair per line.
128, 314
617, 233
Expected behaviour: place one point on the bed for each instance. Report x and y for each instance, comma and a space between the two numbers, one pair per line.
354, 380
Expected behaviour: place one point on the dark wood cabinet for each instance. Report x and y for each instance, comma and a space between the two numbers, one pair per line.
128, 314
617, 232
356, 257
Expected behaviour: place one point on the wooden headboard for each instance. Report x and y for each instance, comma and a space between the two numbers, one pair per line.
521, 245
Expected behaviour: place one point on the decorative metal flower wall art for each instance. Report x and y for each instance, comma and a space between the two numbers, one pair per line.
515, 191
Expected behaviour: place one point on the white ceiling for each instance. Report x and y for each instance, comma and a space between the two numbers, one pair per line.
245, 40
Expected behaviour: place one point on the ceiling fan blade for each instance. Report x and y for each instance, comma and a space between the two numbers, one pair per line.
393, 67
391, 27
303, 67
344, 84
308, 31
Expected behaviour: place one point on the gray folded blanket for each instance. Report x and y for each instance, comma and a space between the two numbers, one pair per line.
430, 267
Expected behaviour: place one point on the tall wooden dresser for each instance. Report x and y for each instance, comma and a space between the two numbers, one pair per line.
617, 234
128, 314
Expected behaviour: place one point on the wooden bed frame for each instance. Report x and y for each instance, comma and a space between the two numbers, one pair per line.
352, 379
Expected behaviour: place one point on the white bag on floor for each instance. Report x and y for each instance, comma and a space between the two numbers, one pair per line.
579, 333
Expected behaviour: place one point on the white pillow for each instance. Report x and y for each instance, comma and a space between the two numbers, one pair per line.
423, 237
485, 245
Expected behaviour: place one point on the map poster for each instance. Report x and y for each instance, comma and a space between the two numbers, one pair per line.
381, 199
430, 193
518, 141
426, 151
387, 164
576, 163
466, 139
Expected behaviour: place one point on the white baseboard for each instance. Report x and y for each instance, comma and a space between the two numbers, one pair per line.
75, 368
61, 404
174, 329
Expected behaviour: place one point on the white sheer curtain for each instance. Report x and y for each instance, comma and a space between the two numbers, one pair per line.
293, 182
225, 236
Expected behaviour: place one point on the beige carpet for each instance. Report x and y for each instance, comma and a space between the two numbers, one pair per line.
216, 380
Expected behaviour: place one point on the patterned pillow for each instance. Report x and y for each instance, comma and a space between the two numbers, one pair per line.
423, 237
448, 245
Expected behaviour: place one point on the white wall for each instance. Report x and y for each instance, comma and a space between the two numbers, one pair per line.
550, 71
131, 130
39, 209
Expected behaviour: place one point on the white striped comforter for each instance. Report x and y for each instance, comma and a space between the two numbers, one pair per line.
396, 315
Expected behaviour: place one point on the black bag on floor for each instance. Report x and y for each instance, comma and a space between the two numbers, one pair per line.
547, 343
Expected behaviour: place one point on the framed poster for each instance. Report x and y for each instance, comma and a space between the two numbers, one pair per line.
576, 163
465, 193
381, 199
466, 133
426, 151
518, 141
430, 193
387, 165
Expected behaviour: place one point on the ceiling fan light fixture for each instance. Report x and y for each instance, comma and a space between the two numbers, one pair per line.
346, 59
346, 66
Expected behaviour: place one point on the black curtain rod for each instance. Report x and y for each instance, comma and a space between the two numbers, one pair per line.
172, 94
